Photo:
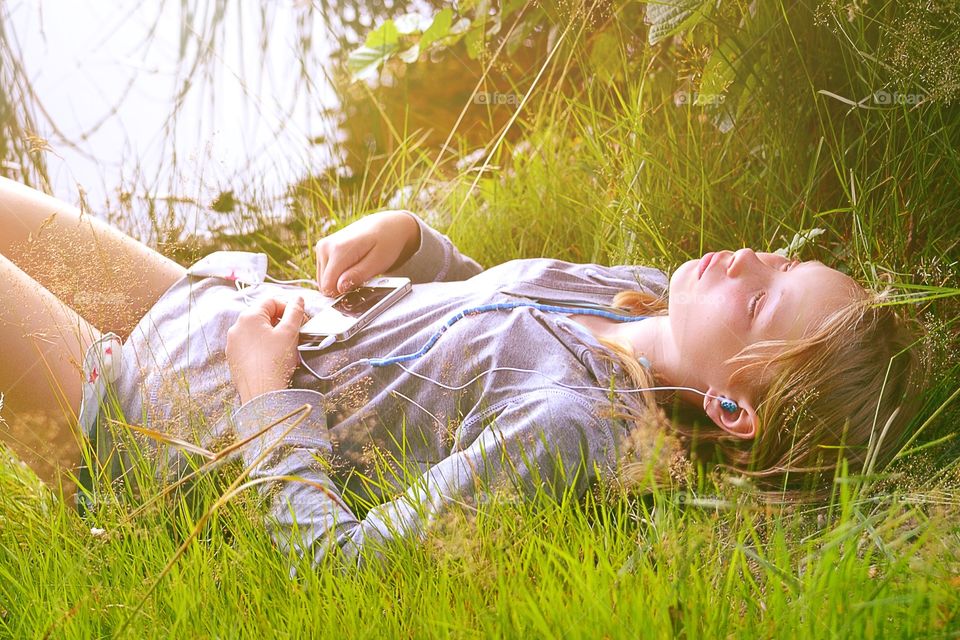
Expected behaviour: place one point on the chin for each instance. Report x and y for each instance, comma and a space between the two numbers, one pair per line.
682, 274
683, 292
679, 284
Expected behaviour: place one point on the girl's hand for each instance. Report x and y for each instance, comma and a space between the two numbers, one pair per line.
368, 247
262, 347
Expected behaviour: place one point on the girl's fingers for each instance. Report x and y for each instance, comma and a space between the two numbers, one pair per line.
292, 315
276, 312
340, 262
268, 309
368, 266
321, 261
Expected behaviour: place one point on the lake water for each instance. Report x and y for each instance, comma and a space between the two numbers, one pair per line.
171, 105
196, 118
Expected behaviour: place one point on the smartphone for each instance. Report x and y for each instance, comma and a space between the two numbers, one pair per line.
355, 309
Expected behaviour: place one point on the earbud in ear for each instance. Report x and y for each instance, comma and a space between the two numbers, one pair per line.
728, 405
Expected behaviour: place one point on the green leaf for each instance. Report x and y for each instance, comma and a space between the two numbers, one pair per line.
364, 61
669, 17
799, 240
474, 41
383, 37
439, 28
380, 44
476, 36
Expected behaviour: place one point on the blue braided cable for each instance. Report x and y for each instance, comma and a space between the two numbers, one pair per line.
726, 404
499, 306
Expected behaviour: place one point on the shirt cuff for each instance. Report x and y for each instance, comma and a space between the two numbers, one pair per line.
436, 259
268, 408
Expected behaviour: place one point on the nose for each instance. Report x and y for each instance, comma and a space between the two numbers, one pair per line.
742, 259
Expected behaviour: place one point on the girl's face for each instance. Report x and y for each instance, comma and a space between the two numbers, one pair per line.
727, 300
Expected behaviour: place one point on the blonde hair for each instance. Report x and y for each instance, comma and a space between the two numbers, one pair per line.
846, 391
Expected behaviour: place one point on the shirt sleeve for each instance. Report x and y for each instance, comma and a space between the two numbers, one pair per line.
536, 441
437, 259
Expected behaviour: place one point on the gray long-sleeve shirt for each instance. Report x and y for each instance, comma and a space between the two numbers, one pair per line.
519, 430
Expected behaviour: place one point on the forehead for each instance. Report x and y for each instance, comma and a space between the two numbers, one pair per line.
808, 294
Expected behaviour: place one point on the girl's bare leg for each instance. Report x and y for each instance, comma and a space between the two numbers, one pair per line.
106, 276
42, 343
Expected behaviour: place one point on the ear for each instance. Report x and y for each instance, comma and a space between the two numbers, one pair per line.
742, 423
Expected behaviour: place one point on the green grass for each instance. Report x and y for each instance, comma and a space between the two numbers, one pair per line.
609, 172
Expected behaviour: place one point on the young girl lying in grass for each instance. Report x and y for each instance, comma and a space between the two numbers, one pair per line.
785, 368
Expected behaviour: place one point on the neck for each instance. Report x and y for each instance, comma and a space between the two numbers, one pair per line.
652, 339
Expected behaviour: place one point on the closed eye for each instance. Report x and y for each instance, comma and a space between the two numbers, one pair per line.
754, 301
758, 297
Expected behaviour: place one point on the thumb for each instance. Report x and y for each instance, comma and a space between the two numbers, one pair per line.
292, 315
370, 265
347, 281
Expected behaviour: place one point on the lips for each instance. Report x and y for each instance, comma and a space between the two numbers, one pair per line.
705, 263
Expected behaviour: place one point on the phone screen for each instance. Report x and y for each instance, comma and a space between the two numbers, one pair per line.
357, 302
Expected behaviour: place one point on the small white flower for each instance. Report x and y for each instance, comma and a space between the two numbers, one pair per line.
96, 532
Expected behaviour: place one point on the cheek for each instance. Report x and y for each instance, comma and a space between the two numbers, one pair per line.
709, 319
694, 299
731, 332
